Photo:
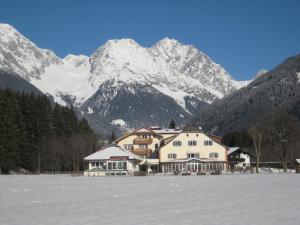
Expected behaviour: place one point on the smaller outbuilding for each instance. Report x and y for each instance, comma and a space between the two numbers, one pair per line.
112, 160
238, 159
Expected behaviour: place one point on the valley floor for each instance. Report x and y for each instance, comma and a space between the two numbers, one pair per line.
228, 200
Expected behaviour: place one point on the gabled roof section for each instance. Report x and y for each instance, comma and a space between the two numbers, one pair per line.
111, 151
232, 150
168, 140
142, 130
166, 131
298, 161
216, 138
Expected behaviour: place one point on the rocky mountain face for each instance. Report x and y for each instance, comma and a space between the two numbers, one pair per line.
278, 89
20, 56
121, 80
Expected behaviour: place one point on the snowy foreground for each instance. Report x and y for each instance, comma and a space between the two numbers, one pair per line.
226, 200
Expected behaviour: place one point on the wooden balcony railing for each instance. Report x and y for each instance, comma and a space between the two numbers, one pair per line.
139, 151
138, 141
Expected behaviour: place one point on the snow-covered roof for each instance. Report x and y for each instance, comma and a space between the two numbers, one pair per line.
298, 161
111, 151
167, 131
232, 149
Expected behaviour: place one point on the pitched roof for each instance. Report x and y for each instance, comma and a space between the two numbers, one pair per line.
166, 131
232, 150
136, 131
298, 161
111, 151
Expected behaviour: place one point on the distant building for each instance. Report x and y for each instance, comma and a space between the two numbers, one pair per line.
111, 160
238, 159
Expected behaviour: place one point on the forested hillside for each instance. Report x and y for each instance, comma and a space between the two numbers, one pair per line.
37, 135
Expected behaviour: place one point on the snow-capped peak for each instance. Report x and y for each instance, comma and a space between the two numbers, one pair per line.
261, 72
76, 60
19, 55
173, 68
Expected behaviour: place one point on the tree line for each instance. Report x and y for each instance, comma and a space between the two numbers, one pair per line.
37, 135
276, 137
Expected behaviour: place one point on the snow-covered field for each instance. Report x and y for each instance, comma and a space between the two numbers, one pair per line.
226, 200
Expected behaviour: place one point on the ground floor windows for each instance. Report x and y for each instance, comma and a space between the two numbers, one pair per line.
97, 164
110, 165
192, 167
117, 165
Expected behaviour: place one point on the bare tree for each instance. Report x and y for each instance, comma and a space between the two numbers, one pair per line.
282, 130
256, 133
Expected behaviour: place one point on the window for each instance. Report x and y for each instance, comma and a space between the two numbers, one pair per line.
122, 165
144, 136
93, 164
128, 146
213, 155
117, 165
208, 143
193, 155
143, 146
172, 156
97, 164
177, 143
192, 143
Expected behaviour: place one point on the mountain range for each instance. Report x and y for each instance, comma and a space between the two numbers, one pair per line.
122, 85
274, 91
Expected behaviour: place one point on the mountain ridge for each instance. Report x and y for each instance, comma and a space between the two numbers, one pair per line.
272, 91
179, 71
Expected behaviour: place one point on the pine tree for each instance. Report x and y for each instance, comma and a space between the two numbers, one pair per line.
172, 124
112, 137
38, 136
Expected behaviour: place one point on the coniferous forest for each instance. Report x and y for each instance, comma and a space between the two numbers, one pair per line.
37, 135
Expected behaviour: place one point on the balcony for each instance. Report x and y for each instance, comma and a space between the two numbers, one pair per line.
146, 141
139, 151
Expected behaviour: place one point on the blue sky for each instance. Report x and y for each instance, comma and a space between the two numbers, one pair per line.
242, 35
